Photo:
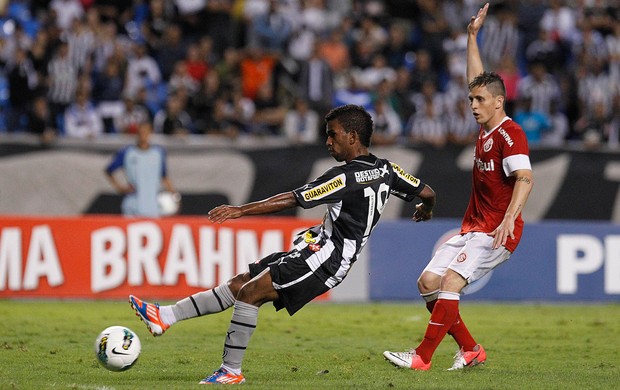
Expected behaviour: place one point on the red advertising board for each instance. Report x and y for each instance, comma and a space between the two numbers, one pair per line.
111, 257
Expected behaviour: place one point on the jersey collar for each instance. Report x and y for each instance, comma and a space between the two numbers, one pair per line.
487, 133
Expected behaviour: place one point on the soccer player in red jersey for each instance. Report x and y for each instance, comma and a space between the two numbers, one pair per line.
492, 225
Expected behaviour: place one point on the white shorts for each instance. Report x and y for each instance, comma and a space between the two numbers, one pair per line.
470, 255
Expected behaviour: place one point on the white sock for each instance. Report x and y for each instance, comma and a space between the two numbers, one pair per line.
167, 315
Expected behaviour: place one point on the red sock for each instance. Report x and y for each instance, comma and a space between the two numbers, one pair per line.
443, 316
458, 330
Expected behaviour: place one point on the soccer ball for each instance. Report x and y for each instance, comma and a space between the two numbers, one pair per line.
169, 203
117, 348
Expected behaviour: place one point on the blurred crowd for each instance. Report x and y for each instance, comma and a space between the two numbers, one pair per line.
84, 68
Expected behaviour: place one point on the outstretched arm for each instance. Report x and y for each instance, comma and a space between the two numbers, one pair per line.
474, 61
274, 204
424, 210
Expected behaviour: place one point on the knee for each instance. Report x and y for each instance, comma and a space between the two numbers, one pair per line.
236, 283
428, 282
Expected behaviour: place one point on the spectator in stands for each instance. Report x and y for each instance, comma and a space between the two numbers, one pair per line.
316, 83
107, 93
270, 30
131, 115
402, 94
388, 125
500, 36
379, 71
559, 127
461, 124
434, 29
335, 51
508, 70
160, 15
221, 121
23, 81
534, 123
270, 112
201, 105
62, 83
595, 87
595, 126
423, 71
170, 51
82, 44
142, 71
256, 68
173, 119
301, 124
40, 121
546, 50
398, 47
82, 120
66, 11
428, 126
540, 86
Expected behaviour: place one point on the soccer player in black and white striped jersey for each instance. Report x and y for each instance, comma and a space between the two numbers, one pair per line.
355, 194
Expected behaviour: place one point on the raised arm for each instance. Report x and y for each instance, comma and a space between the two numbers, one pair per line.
270, 205
474, 61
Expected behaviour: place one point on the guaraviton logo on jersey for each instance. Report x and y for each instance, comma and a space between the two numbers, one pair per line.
406, 176
324, 190
370, 174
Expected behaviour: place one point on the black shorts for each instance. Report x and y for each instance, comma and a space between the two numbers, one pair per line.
293, 279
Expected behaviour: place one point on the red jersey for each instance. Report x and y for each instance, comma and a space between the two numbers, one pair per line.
499, 152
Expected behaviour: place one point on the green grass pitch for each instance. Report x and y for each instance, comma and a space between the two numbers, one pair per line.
50, 345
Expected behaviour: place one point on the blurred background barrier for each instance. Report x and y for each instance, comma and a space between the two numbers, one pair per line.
69, 181
555, 261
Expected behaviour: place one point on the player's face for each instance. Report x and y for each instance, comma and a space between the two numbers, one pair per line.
338, 141
485, 107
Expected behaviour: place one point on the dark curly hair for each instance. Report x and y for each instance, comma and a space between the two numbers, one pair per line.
353, 118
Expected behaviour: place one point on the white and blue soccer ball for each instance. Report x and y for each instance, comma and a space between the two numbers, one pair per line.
169, 203
117, 348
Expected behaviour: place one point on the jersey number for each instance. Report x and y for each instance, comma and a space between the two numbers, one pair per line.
375, 204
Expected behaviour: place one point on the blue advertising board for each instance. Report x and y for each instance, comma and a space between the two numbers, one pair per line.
555, 261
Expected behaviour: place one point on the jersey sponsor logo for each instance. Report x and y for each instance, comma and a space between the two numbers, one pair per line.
488, 166
370, 175
488, 145
406, 176
326, 189
506, 137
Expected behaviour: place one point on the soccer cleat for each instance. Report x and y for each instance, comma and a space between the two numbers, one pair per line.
223, 377
464, 359
149, 314
407, 359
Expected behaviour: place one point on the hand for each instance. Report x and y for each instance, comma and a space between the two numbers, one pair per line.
502, 232
422, 213
476, 21
224, 212
128, 189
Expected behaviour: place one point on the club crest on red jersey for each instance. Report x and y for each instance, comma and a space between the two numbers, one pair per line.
488, 145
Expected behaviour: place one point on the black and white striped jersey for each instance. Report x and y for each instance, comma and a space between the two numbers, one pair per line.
355, 194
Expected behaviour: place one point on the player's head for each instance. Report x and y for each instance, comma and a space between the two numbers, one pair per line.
143, 134
353, 118
487, 95
492, 81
